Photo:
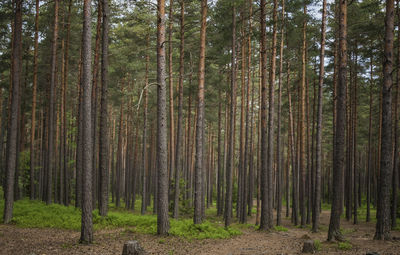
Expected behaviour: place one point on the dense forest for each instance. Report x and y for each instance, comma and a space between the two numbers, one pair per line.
220, 113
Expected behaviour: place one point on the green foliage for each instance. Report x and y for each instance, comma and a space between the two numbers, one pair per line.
36, 214
280, 229
186, 228
317, 245
344, 246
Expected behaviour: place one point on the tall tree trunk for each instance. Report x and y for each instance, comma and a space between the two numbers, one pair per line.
318, 155
249, 153
264, 224
171, 95
95, 96
354, 127
78, 160
33, 122
369, 143
162, 153
338, 158
179, 134
103, 131
302, 127
295, 180
219, 153
13, 117
144, 138
279, 166
231, 152
395, 178
65, 85
87, 143
199, 168
51, 124
383, 224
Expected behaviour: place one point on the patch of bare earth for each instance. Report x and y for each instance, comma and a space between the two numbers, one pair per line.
15, 240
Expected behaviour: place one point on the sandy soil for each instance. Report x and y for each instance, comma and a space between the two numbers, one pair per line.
14, 240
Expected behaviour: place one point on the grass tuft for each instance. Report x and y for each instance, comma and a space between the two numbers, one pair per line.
344, 246
280, 229
317, 245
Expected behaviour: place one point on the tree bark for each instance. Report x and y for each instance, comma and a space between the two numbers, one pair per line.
383, 224
33, 122
171, 95
144, 138
199, 168
179, 134
230, 154
103, 131
318, 155
279, 166
162, 153
339, 143
50, 161
87, 143
13, 117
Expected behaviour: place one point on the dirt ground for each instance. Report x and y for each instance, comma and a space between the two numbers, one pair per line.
14, 240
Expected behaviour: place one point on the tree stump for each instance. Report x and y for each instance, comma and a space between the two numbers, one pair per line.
308, 246
133, 248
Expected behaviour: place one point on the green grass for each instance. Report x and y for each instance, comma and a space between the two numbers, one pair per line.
36, 214
344, 246
280, 229
317, 245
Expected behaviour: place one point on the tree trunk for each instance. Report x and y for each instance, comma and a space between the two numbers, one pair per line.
171, 96
279, 167
369, 144
144, 138
199, 168
95, 96
33, 122
103, 131
13, 117
50, 161
339, 143
87, 143
395, 178
302, 128
231, 152
383, 224
179, 134
162, 153
318, 155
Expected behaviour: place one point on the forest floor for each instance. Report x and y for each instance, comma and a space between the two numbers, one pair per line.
287, 240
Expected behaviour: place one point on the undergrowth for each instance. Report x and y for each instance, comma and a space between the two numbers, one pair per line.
36, 214
344, 246
280, 229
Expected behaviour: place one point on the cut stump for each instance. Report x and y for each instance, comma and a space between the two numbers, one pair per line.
133, 248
